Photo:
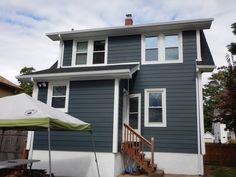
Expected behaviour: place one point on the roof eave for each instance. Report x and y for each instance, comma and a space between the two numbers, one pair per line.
205, 68
134, 29
94, 75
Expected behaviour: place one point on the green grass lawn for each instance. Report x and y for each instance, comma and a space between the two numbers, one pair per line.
219, 171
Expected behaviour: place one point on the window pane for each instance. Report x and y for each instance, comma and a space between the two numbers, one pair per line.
133, 106
133, 121
59, 90
172, 41
58, 102
155, 99
81, 58
172, 53
155, 114
151, 55
98, 58
99, 45
82, 47
151, 42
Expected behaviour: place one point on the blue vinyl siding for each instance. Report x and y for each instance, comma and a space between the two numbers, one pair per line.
92, 102
67, 55
124, 49
179, 79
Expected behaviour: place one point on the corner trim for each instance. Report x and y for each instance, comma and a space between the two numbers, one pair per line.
115, 116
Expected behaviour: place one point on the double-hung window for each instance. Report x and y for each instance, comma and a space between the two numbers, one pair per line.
90, 52
81, 53
172, 47
99, 52
162, 48
151, 48
58, 96
155, 108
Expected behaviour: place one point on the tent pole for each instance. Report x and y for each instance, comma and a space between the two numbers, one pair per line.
95, 155
49, 152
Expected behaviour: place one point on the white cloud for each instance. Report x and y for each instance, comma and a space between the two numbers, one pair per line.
24, 23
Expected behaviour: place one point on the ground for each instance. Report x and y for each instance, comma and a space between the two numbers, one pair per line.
219, 171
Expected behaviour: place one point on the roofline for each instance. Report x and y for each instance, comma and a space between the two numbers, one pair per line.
205, 68
204, 23
84, 75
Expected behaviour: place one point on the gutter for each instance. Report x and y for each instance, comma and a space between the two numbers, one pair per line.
121, 73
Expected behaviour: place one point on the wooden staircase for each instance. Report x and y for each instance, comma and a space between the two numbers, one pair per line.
134, 146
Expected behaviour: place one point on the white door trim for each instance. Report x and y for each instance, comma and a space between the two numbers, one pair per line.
139, 110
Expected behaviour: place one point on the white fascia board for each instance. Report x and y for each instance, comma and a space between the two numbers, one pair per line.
127, 30
206, 68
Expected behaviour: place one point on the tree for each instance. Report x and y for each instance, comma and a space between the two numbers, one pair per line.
211, 92
26, 86
232, 46
227, 105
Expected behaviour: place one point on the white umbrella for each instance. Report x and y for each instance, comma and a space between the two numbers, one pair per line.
22, 112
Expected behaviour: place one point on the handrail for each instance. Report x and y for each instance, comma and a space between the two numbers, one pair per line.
138, 135
138, 141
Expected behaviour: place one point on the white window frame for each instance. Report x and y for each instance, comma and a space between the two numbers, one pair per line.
89, 52
50, 90
161, 49
146, 107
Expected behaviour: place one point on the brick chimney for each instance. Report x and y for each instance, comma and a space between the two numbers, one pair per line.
128, 20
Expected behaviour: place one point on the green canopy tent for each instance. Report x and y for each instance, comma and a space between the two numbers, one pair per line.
22, 112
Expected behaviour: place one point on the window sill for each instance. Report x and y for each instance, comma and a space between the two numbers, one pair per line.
155, 125
161, 62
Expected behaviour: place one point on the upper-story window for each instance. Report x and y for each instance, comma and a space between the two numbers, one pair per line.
162, 48
90, 52
81, 53
99, 52
151, 48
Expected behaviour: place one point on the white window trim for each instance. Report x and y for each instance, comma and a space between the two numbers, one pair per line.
161, 49
89, 52
50, 90
146, 108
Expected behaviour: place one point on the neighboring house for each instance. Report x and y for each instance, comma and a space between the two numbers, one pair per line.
221, 134
11, 141
7, 88
148, 76
209, 138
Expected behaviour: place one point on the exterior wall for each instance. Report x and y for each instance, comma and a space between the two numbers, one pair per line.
7, 91
67, 55
123, 49
180, 135
90, 101
80, 164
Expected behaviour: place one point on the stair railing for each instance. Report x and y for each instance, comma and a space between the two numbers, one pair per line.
137, 141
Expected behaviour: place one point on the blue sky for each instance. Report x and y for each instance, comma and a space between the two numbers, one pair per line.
23, 25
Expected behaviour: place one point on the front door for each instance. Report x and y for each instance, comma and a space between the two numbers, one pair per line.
134, 112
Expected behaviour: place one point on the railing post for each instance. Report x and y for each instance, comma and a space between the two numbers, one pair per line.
152, 151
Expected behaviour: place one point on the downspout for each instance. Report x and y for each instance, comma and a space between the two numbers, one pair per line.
30, 136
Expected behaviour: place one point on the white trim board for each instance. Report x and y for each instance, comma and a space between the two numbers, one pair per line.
116, 115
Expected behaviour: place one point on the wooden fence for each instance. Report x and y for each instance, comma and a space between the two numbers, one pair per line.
220, 154
12, 144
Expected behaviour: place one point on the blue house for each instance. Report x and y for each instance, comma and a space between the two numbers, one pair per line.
140, 88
